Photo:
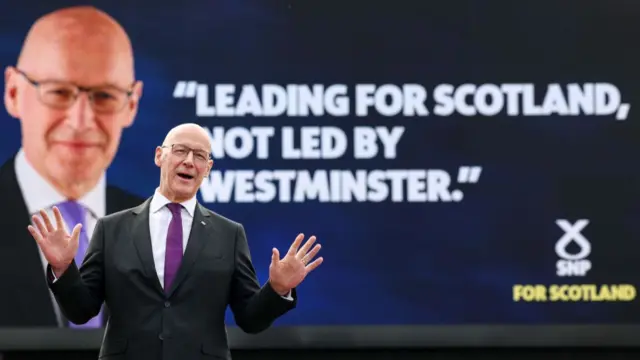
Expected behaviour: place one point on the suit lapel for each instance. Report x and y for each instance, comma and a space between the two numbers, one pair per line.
142, 242
200, 230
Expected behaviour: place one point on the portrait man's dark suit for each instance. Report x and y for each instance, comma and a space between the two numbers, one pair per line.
25, 300
186, 321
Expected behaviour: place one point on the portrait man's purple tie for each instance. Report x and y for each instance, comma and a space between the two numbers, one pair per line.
74, 213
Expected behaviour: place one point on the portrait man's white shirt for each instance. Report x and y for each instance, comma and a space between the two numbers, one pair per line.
39, 194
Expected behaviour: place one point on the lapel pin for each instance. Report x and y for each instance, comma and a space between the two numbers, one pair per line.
203, 223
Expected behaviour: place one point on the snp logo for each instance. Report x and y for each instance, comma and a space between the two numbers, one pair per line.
573, 264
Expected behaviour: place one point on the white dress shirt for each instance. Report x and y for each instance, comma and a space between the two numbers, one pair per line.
159, 218
39, 194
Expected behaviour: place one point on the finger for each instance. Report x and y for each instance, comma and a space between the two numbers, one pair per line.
47, 222
40, 226
314, 265
75, 235
311, 254
58, 216
275, 256
305, 248
36, 235
296, 244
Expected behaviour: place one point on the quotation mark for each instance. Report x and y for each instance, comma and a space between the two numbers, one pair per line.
466, 175
469, 174
185, 89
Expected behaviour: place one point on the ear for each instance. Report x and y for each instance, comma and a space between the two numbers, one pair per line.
11, 91
158, 156
209, 167
134, 102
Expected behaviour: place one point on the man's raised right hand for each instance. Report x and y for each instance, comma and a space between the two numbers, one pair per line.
58, 247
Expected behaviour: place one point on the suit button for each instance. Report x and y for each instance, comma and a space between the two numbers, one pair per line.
160, 337
167, 304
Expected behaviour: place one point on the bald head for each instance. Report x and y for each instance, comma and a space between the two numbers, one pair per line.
189, 132
71, 138
83, 33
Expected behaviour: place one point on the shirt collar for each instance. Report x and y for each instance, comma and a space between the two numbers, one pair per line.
158, 201
39, 194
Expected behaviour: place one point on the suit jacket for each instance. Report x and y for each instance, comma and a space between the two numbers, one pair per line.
185, 322
25, 300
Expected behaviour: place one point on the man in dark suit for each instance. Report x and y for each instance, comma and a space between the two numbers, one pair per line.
168, 268
74, 91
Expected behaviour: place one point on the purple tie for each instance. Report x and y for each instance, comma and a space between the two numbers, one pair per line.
73, 214
173, 253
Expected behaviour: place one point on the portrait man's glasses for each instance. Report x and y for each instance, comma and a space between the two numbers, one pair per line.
62, 95
182, 151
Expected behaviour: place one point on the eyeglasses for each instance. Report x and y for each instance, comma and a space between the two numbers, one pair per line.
182, 151
62, 95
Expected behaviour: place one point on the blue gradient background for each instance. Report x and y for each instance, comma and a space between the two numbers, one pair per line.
432, 263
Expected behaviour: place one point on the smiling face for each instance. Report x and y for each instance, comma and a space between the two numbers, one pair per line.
68, 136
184, 161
